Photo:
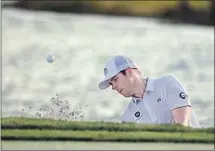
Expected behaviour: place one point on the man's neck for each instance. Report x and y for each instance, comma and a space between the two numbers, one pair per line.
140, 87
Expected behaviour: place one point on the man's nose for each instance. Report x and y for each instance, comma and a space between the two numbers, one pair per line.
113, 86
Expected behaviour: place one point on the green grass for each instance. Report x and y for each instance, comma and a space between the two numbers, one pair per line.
29, 123
15, 128
107, 136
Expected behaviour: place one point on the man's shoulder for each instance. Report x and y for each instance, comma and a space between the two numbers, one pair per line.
170, 81
168, 76
162, 81
164, 78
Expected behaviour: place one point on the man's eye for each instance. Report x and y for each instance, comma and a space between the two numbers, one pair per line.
115, 80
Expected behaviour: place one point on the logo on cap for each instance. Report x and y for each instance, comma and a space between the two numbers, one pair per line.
183, 95
105, 71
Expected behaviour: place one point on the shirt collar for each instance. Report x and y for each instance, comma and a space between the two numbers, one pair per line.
149, 87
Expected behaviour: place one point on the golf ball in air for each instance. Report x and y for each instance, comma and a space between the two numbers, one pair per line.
50, 58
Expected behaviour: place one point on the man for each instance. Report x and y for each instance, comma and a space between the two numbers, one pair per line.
154, 100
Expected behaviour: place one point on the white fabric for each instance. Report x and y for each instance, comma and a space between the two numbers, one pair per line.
162, 96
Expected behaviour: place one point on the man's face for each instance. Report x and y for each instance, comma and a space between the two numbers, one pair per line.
122, 83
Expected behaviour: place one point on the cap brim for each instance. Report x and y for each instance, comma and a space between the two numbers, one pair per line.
103, 85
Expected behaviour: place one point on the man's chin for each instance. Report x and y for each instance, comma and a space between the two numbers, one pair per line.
127, 96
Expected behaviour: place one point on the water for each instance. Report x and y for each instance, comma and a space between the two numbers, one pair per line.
81, 44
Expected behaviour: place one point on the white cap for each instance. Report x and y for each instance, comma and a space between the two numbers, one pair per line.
113, 66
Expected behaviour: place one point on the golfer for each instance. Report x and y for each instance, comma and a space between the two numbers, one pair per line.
160, 100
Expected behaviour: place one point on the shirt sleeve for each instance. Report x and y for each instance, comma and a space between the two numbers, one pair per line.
176, 94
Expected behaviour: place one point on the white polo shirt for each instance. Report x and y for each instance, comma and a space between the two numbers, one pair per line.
162, 95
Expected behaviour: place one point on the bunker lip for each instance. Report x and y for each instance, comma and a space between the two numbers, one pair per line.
15, 128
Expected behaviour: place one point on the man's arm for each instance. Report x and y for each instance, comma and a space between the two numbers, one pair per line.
178, 101
181, 115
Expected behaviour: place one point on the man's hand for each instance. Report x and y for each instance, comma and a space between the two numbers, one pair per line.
181, 115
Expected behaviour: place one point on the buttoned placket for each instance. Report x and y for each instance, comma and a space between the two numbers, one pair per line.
148, 108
